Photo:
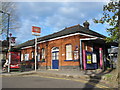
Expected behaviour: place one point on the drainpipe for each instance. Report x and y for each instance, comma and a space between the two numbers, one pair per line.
81, 62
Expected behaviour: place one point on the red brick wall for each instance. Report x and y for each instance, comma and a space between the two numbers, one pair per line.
61, 43
28, 51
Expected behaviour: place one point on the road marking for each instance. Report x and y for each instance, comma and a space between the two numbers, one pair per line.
82, 81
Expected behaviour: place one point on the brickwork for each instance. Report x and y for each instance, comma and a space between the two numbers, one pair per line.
61, 44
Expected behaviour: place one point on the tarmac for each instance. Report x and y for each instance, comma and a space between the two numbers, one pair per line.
96, 76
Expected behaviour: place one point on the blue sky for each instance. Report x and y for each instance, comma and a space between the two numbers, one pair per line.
55, 16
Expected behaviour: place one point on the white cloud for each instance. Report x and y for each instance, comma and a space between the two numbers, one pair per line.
67, 10
52, 17
24, 33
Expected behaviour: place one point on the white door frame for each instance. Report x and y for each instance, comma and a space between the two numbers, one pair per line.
51, 56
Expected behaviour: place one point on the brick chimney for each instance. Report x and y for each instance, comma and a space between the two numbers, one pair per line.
86, 24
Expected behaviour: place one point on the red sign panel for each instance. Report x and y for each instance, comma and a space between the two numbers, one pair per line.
15, 60
36, 29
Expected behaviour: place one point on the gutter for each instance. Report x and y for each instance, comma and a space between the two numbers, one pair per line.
86, 39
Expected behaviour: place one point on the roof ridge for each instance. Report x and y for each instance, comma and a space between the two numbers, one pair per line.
60, 30
72, 26
68, 30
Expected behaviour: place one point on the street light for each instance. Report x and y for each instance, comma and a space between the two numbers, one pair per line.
8, 23
8, 40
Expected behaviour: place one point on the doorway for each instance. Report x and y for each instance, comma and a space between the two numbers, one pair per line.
55, 58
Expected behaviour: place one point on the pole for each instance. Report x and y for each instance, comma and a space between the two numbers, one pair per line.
9, 45
8, 28
81, 63
9, 60
35, 53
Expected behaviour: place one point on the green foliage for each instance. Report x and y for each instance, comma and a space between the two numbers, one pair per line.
110, 16
108, 75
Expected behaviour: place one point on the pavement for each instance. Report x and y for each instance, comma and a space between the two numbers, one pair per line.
96, 76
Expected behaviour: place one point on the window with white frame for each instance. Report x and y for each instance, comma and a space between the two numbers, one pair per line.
69, 52
26, 57
22, 57
32, 54
38, 57
43, 53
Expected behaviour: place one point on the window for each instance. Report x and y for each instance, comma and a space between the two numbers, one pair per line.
55, 53
69, 52
55, 56
38, 57
43, 53
22, 57
32, 54
26, 57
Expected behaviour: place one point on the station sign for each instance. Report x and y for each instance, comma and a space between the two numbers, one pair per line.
36, 31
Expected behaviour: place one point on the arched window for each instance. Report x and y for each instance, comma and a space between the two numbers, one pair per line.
69, 52
55, 53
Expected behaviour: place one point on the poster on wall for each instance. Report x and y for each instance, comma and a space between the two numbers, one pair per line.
89, 59
76, 56
94, 58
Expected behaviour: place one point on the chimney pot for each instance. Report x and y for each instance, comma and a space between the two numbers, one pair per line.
86, 24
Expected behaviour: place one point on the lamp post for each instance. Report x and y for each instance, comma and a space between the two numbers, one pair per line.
8, 24
8, 43
9, 54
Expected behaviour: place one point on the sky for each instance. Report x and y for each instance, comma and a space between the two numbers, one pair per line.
55, 16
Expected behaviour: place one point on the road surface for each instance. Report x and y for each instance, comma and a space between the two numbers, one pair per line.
41, 82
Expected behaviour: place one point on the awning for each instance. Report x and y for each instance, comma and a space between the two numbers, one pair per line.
103, 42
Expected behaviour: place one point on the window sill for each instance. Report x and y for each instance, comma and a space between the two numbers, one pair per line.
68, 60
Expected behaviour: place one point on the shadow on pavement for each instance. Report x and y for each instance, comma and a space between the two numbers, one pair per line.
97, 76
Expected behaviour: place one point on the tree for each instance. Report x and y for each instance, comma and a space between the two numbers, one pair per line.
11, 8
111, 15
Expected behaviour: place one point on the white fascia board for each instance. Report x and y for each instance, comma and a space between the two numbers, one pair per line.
27, 47
66, 36
89, 38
